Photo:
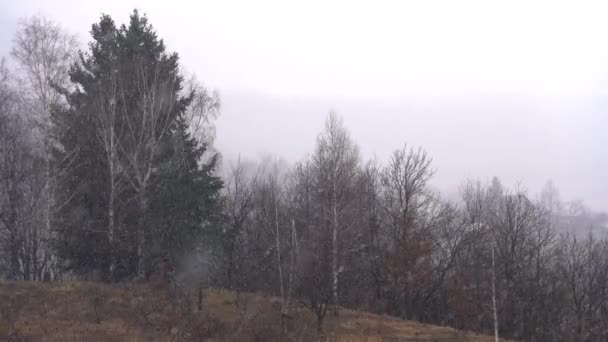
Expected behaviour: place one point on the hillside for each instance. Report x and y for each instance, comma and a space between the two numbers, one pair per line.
81, 311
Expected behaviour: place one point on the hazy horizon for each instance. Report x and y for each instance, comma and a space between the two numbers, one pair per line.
506, 91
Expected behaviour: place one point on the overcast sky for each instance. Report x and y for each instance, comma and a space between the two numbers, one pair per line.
514, 89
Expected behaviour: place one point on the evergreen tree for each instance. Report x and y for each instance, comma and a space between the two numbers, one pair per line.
135, 184
184, 191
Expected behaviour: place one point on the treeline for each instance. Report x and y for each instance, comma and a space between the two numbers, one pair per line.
335, 230
107, 171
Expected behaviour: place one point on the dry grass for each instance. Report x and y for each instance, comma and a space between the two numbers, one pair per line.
80, 311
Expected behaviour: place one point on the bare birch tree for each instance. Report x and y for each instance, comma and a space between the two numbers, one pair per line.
107, 117
44, 53
336, 163
202, 111
12, 174
145, 130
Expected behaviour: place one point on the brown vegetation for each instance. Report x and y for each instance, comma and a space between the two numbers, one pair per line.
81, 311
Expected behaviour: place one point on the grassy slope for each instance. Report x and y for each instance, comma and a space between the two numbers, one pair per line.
79, 311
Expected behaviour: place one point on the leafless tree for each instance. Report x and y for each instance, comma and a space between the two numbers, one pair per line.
406, 204
512, 239
583, 272
109, 111
239, 190
494, 307
366, 272
44, 53
310, 270
336, 162
19, 190
131, 137
145, 129
202, 112
12, 173
405, 192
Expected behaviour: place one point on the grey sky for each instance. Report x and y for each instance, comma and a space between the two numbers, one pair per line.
514, 89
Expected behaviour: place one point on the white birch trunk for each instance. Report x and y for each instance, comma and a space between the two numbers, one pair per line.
494, 309
140, 236
278, 245
334, 248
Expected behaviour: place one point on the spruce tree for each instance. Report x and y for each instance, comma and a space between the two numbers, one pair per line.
136, 186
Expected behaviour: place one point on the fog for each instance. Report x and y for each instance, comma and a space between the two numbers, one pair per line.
247, 170
521, 139
514, 90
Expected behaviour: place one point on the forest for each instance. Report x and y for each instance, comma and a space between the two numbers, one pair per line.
108, 173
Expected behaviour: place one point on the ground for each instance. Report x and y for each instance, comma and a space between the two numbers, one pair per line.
82, 311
